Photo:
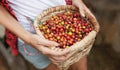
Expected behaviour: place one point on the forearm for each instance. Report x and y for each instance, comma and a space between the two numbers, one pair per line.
10, 23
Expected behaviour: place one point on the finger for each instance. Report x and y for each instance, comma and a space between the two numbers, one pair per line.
57, 56
46, 42
82, 11
57, 49
62, 57
54, 61
60, 52
52, 52
89, 13
59, 59
69, 55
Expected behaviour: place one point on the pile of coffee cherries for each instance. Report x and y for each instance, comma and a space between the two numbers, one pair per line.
65, 28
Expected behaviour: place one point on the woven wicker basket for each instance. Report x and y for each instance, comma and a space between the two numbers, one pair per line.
79, 49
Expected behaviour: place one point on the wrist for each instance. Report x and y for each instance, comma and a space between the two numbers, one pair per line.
27, 37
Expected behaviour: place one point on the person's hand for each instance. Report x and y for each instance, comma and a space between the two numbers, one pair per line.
37, 40
56, 55
82, 8
45, 46
85, 12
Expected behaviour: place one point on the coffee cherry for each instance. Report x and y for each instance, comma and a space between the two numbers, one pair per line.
83, 27
62, 22
70, 33
87, 30
68, 37
58, 37
48, 31
73, 30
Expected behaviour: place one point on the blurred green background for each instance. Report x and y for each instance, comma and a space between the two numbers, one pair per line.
105, 54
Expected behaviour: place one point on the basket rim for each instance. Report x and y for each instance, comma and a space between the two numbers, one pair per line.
59, 8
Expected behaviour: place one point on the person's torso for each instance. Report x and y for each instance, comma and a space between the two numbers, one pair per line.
30, 9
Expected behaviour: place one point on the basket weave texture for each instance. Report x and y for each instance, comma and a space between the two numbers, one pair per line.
80, 48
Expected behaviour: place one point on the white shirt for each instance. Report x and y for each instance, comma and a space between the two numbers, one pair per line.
31, 8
